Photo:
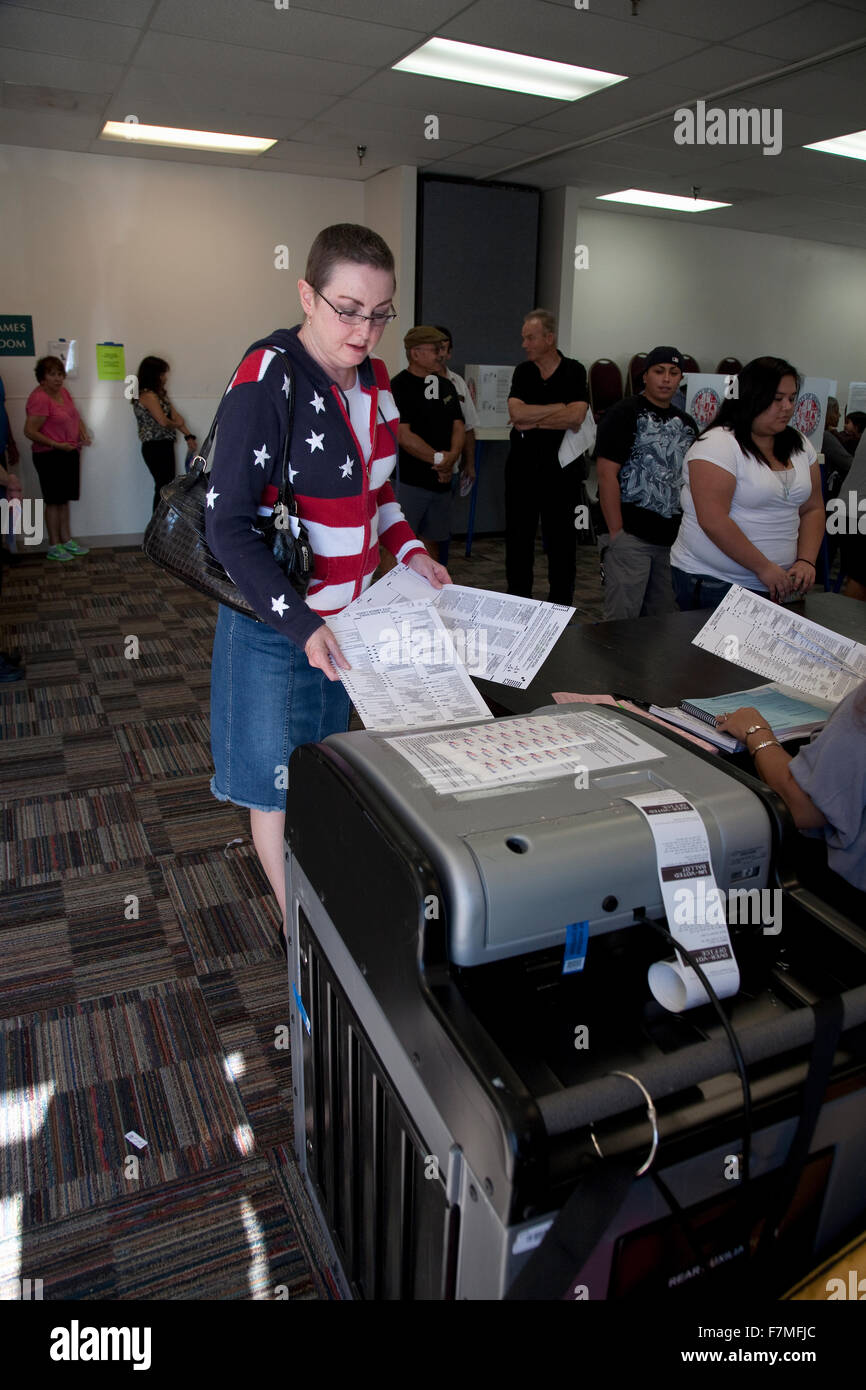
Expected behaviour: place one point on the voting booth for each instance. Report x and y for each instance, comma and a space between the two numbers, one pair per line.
481, 1006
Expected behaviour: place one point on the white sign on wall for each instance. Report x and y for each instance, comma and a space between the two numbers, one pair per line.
811, 411
489, 388
705, 392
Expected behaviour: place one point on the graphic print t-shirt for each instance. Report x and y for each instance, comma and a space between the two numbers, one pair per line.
650, 442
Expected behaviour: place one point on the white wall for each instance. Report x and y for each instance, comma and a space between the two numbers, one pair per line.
712, 292
390, 202
171, 259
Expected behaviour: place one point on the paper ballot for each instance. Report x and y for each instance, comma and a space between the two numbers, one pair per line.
781, 646
530, 748
393, 687
498, 637
694, 907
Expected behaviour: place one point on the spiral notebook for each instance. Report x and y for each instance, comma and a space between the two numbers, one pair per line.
788, 712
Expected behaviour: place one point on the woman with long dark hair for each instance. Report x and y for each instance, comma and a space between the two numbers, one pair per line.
275, 683
158, 422
753, 513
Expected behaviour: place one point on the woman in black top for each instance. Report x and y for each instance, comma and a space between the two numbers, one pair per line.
157, 422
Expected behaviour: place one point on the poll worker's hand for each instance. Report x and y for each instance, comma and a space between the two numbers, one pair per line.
323, 651
429, 569
802, 576
739, 720
776, 580
67, 448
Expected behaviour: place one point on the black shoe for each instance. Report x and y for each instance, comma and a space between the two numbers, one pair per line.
12, 658
10, 673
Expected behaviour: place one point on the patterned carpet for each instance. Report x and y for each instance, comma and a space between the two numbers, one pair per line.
141, 981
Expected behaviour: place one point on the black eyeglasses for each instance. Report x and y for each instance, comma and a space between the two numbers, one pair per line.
351, 316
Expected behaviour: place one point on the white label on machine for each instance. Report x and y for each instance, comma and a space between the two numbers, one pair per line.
531, 1238
529, 749
694, 906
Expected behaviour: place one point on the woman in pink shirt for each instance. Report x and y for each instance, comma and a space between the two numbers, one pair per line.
57, 433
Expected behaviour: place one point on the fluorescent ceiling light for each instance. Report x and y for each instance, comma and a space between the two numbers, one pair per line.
512, 72
854, 146
645, 199
184, 139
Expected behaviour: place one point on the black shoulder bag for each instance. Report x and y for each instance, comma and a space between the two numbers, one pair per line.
175, 535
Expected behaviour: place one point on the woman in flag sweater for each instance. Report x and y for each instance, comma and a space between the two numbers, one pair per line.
275, 683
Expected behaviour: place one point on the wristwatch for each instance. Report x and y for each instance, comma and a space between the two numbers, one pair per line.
438, 459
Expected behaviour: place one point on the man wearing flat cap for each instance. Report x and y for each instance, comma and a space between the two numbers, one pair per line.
431, 437
641, 444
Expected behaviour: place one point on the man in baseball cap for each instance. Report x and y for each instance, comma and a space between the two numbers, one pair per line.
431, 437
642, 442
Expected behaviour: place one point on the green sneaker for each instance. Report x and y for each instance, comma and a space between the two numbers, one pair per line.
59, 552
75, 549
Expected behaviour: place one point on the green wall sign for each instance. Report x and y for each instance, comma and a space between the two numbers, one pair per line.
16, 335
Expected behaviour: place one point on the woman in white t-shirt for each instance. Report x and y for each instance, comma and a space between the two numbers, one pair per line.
753, 513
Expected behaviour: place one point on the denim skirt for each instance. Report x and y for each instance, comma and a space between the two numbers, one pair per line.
265, 700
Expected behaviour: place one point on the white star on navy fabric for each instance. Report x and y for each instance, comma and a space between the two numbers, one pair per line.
286, 385
279, 605
292, 471
318, 402
346, 468
211, 497
315, 441
260, 456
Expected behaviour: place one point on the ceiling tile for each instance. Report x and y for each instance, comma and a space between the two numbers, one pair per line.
374, 116
583, 37
424, 15
38, 32
52, 70
193, 56
703, 19
438, 95
299, 32
815, 29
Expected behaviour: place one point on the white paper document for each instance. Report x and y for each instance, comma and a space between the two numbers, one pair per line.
499, 637
761, 636
394, 686
693, 904
529, 749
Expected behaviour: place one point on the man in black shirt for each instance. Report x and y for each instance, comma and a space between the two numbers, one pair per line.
548, 396
431, 437
642, 442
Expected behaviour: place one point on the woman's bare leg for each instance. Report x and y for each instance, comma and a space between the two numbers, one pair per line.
64, 523
52, 522
267, 828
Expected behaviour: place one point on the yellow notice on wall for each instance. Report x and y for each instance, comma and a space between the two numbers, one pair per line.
110, 362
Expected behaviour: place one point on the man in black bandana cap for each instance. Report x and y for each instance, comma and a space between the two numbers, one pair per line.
641, 445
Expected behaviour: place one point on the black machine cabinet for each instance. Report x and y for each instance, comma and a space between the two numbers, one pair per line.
443, 1110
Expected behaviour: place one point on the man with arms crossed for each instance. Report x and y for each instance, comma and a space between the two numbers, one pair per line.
548, 396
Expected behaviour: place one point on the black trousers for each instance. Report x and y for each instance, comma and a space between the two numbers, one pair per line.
159, 457
548, 493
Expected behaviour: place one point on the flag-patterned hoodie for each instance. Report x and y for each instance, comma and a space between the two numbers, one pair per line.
347, 507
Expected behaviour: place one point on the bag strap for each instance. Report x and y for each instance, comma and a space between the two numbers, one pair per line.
286, 494
597, 1197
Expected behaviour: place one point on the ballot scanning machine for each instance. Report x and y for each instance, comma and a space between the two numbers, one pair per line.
456, 1065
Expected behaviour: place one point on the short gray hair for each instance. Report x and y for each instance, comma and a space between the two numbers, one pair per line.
545, 318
